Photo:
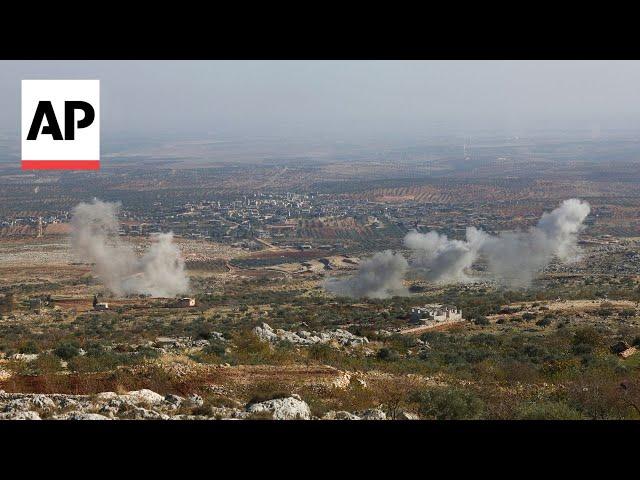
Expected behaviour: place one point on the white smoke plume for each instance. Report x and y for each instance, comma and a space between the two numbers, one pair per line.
380, 276
513, 258
438, 259
159, 272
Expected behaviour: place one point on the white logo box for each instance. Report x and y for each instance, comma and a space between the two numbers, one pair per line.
46, 153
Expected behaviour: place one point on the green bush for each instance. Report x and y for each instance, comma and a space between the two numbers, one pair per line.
587, 336
388, 354
29, 347
448, 404
67, 350
215, 347
45, 364
544, 322
547, 411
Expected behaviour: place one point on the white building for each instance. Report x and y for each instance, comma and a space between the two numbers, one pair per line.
435, 313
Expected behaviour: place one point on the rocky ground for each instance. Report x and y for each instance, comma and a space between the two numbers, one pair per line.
148, 405
303, 337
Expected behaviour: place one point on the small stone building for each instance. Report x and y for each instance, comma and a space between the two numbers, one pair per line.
435, 313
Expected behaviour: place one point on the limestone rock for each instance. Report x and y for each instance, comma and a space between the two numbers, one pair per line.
20, 415
174, 401
76, 415
144, 396
290, 408
342, 337
195, 400
340, 415
374, 414
139, 413
407, 416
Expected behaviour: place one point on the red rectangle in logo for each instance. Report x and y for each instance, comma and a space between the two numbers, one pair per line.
60, 164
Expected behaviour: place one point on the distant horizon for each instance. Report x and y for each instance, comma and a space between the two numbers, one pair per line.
387, 100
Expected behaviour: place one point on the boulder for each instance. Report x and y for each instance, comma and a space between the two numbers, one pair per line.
374, 414
76, 415
407, 416
20, 415
42, 402
25, 357
290, 408
341, 337
139, 413
144, 396
174, 401
265, 333
18, 405
340, 415
195, 400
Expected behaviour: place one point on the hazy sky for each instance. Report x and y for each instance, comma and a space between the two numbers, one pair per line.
343, 99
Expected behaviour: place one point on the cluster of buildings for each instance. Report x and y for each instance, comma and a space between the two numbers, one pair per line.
283, 217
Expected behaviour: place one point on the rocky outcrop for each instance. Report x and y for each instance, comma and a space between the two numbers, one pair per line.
137, 404
181, 343
148, 405
265, 333
80, 416
374, 414
289, 408
18, 415
407, 416
143, 396
340, 415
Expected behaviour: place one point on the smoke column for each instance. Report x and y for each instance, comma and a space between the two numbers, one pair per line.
438, 259
378, 277
518, 257
513, 258
159, 272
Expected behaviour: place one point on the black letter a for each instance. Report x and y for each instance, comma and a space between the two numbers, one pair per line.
45, 109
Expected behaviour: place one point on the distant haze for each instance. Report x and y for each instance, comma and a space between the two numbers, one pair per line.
343, 99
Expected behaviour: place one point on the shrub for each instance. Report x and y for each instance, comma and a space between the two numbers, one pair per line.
402, 342
481, 320
388, 354
324, 353
46, 363
627, 313
582, 349
587, 336
67, 350
544, 322
485, 339
29, 347
547, 411
448, 404
215, 347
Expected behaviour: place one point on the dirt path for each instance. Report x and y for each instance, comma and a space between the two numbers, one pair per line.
435, 326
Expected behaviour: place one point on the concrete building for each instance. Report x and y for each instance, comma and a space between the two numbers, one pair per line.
435, 313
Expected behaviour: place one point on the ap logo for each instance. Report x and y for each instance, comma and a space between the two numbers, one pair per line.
60, 124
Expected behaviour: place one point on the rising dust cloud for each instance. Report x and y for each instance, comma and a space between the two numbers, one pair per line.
159, 272
378, 277
513, 258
